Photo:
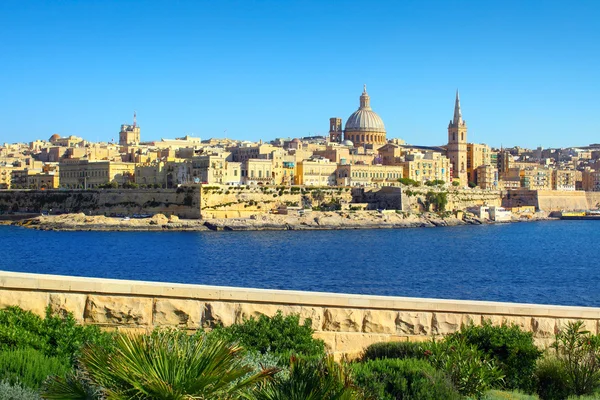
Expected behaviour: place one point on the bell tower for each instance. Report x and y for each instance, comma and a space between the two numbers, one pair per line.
335, 130
457, 144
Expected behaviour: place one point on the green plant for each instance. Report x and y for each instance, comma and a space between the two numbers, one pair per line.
30, 367
166, 364
579, 352
11, 391
439, 200
54, 335
321, 379
551, 379
455, 183
470, 370
278, 334
409, 182
511, 348
435, 182
393, 350
402, 379
501, 395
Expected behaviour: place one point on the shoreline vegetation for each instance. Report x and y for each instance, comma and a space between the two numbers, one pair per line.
316, 220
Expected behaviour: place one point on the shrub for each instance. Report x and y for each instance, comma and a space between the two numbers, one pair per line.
579, 351
469, 369
30, 367
280, 335
455, 183
54, 336
321, 379
498, 395
167, 364
10, 391
551, 379
511, 348
402, 379
399, 350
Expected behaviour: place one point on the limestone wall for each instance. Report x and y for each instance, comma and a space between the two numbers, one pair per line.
243, 201
458, 199
183, 202
347, 323
550, 200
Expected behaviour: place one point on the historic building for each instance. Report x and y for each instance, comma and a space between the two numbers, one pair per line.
130, 134
457, 144
363, 127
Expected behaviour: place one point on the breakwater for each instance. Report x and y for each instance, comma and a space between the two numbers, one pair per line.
346, 322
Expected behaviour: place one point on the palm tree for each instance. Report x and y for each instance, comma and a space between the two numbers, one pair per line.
164, 365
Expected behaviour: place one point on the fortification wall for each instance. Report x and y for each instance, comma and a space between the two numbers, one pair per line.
593, 199
347, 323
243, 201
458, 199
183, 202
548, 200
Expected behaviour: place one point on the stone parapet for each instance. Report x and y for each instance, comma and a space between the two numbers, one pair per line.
346, 322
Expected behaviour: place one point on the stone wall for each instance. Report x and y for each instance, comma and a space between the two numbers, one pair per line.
550, 200
347, 323
458, 199
183, 202
243, 201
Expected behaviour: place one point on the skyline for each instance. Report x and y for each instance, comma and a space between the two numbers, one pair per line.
249, 71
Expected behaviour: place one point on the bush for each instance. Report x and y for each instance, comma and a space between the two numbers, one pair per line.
551, 379
279, 335
402, 379
409, 182
469, 369
54, 336
399, 350
498, 395
579, 352
30, 367
511, 348
321, 379
10, 391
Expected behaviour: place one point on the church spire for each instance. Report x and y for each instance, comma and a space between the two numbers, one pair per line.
457, 114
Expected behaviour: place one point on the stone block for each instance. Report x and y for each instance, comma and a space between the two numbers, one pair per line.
356, 342
525, 323
315, 314
118, 310
328, 338
445, 323
175, 312
414, 323
255, 310
342, 320
543, 327
64, 303
35, 302
588, 324
219, 313
379, 321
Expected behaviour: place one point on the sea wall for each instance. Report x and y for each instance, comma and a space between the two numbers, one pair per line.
183, 202
222, 201
458, 199
550, 200
346, 322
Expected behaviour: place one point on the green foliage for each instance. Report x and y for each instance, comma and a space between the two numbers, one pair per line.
130, 185
500, 395
579, 351
409, 182
472, 185
435, 182
410, 379
30, 367
278, 334
393, 350
455, 183
511, 348
167, 364
551, 378
321, 379
469, 369
9, 391
54, 336
109, 185
438, 200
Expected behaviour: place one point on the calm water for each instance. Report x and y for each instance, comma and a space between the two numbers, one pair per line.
543, 262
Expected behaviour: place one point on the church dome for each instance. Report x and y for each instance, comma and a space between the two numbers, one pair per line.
365, 119
54, 137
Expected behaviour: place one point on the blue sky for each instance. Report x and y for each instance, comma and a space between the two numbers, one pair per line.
528, 71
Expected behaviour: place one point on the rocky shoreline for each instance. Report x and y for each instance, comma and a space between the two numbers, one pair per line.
310, 221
